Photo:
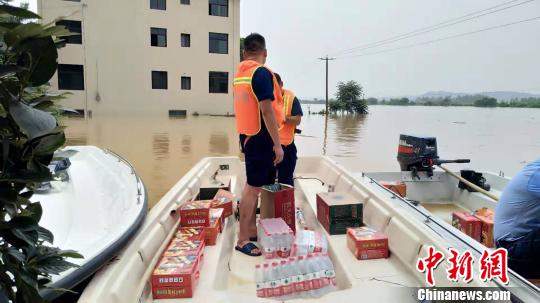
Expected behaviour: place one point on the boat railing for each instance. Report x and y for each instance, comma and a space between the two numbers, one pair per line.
525, 290
138, 179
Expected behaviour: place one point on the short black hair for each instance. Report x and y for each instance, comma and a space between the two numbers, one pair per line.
254, 43
278, 78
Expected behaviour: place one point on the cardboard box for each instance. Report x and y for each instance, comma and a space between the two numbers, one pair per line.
190, 233
211, 185
195, 214
277, 201
467, 224
224, 199
173, 292
366, 243
398, 187
181, 247
176, 271
216, 226
338, 211
485, 215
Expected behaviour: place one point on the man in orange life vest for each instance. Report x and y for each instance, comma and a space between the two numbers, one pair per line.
259, 115
293, 116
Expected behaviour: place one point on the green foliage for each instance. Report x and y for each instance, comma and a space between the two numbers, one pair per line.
29, 136
486, 102
349, 99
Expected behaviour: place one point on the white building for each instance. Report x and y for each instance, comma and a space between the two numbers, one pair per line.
150, 56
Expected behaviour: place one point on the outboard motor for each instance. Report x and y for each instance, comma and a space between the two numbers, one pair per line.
419, 154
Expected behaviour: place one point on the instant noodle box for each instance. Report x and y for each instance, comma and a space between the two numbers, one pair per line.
467, 224
190, 233
179, 247
211, 233
224, 199
338, 211
176, 277
211, 185
398, 187
195, 213
485, 215
277, 201
366, 243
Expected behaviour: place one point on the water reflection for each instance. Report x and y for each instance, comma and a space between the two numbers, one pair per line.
162, 150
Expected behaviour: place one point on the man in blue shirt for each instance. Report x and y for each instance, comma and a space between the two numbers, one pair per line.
517, 221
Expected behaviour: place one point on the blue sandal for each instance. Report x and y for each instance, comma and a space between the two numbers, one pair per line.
247, 249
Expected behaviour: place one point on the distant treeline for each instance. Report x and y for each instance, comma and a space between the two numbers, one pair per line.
468, 100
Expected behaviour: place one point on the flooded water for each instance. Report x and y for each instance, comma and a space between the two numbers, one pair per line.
163, 149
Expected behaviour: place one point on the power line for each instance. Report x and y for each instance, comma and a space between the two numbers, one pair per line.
447, 23
445, 38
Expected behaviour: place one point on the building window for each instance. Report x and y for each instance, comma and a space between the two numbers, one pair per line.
70, 77
186, 2
158, 37
219, 43
218, 8
219, 82
159, 80
185, 40
158, 4
75, 28
185, 83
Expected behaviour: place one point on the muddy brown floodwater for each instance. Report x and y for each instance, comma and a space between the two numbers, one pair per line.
163, 149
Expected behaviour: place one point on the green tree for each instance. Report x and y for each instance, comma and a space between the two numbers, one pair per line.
372, 101
30, 135
350, 98
486, 102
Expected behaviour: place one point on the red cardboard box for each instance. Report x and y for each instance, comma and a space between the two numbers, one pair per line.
366, 243
177, 271
172, 292
211, 233
190, 233
181, 247
195, 213
397, 187
485, 215
277, 201
338, 211
224, 199
467, 224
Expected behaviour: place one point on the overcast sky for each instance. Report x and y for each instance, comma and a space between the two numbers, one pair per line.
299, 31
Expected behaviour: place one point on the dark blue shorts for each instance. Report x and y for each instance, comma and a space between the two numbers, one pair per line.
286, 168
259, 157
523, 254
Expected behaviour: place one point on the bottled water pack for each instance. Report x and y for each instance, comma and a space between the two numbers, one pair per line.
307, 276
308, 242
275, 237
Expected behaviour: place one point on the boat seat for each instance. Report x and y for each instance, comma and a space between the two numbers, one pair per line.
403, 242
376, 216
151, 243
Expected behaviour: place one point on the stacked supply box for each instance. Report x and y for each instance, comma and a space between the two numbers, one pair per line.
211, 232
224, 199
366, 243
195, 214
275, 237
467, 224
338, 211
177, 273
277, 201
485, 215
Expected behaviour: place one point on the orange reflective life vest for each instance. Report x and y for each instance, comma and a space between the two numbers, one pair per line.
286, 133
246, 103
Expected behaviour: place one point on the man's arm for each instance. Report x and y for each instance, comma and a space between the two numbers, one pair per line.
296, 113
272, 127
295, 120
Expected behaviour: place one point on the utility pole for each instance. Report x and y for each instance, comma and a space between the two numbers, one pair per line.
326, 59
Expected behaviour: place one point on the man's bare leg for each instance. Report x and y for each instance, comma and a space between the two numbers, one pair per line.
248, 207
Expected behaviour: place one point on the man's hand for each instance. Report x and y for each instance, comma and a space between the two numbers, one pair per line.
278, 151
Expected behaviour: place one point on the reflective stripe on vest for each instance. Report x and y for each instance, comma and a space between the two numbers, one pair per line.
246, 103
286, 133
